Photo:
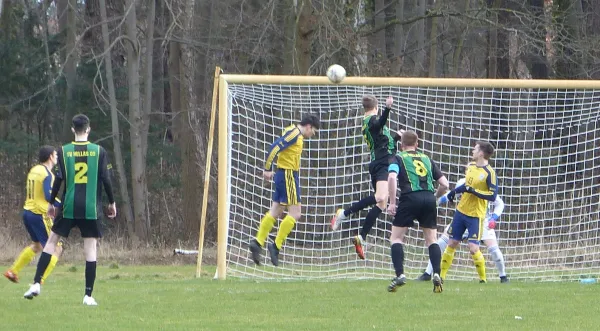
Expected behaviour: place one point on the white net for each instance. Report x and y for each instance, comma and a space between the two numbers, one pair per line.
547, 162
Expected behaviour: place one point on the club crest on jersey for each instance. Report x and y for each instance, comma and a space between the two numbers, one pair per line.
481, 176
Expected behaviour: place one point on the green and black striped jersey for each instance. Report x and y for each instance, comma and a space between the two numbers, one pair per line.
416, 171
83, 167
377, 136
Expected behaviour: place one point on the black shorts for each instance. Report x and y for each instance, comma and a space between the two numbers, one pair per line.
379, 171
420, 206
88, 228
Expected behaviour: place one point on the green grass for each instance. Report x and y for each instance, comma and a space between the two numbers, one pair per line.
170, 298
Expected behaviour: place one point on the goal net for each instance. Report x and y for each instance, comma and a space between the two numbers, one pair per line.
547, 162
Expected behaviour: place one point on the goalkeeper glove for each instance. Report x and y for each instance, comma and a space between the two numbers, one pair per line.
492, 221
444, 199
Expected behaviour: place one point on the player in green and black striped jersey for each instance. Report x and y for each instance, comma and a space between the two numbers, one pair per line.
414, 173
381, 146
84, 169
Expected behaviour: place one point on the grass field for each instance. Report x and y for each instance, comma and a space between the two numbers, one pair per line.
170, 298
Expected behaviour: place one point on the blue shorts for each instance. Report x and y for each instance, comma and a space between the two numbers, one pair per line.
462, 222
287, 187
38, 226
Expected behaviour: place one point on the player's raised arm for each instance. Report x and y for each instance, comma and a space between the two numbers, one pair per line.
379, 123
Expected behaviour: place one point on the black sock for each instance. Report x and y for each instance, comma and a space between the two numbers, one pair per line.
398, 258
90, 277
360, 205
370, 221
41, 267
435, 256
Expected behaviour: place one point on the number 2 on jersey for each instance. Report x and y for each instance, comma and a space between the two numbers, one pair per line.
81, 169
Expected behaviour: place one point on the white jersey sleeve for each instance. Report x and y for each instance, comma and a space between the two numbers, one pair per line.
498, 206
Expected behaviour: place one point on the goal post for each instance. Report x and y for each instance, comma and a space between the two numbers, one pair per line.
546, 133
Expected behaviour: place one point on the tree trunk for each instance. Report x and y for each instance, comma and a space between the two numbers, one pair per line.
420, 53
174, 83
399, 39
138, 166
187, 123
361, 50
148, 80
67, 25
498, 45
538, 67
4, 33
379, 43
457, 56
307, 23
433, 37
116, 133
569, 62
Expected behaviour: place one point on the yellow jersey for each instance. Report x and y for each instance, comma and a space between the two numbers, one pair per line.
288, 148
39, 186
483, 184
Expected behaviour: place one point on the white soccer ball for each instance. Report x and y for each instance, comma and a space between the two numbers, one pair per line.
336, 73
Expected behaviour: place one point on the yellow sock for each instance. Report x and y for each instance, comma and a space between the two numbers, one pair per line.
285, 228
447, 258
266, 224
479, 261
26, 256
50, 267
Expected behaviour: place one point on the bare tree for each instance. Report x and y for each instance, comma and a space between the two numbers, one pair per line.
114, 115
138, 165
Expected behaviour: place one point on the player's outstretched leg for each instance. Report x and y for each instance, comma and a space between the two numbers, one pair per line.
343, 214
27, 255
338, 218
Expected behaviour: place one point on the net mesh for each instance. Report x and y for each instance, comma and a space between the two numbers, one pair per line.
547, 163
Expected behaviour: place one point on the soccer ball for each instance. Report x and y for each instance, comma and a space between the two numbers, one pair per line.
336, 73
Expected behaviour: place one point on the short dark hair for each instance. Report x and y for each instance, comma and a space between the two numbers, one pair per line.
369, 102
45, 153
311, 119
80, 123
487, 148
409, 139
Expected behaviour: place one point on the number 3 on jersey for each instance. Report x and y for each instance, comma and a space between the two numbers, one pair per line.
420, 168
81, 169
